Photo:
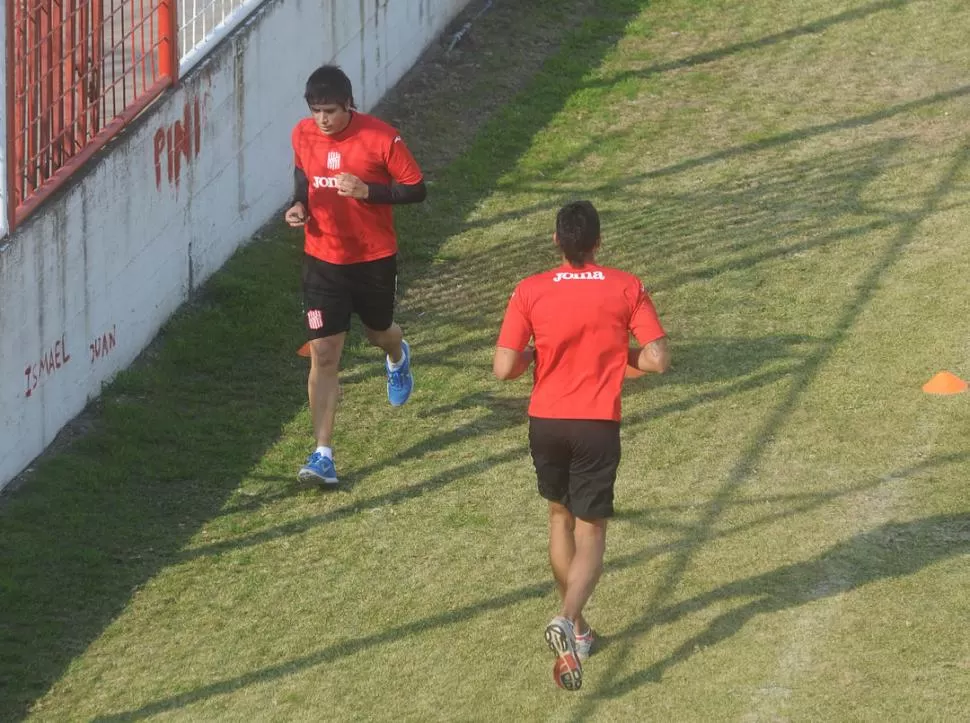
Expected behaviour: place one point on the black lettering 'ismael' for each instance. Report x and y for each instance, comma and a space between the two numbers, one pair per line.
579, 317
349, 169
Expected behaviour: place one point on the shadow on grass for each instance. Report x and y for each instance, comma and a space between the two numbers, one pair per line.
656, 518
169, 440
889, 551
812, 28
335, 652
892, 550
395, 497
801, 379
775, 141
673, 239
173, 438
723, 366
711, 360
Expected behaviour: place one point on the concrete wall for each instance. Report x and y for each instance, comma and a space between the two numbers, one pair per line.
86, 283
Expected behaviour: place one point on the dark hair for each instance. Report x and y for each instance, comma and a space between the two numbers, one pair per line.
578, 231
329, 84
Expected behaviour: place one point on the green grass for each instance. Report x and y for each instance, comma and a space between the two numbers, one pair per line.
792, 181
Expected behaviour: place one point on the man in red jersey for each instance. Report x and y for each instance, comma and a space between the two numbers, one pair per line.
580, 317
350, 168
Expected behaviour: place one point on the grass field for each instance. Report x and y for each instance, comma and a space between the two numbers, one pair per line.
791, 178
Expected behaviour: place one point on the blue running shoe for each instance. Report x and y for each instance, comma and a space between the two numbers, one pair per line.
318, 469
400, 382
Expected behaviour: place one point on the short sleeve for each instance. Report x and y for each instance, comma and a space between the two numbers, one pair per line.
516, 327
644, 322
401, 164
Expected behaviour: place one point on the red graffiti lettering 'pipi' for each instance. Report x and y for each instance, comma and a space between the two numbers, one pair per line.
179, 142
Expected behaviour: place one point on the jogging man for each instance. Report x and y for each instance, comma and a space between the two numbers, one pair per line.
580, 317
349, 169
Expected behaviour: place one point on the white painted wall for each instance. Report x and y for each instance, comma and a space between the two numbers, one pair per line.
87, 282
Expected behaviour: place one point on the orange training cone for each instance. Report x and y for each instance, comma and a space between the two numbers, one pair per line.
304, 350
945, 383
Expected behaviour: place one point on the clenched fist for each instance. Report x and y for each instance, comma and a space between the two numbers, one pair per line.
295, 215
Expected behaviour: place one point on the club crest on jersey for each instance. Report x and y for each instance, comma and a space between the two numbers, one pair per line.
579, 276
333, 160
314, 318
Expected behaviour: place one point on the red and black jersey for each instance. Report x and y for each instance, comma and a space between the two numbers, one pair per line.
339, 229
581, 320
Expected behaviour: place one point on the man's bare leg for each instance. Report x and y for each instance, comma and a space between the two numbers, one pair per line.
576, 551
585, 569
389, 340
400, 380
323, 391
562, 550
323, 385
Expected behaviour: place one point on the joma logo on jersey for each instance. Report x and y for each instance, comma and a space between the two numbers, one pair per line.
333, 160
324, 182
571, 276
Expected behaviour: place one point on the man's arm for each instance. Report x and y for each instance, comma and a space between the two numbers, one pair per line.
296, 214
653, 357
407, 181
387, 193
645, 326
301, 187
396, 193
513, 354
510, 364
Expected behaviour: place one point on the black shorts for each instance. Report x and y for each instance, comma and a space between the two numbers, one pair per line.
332, 292
576, 462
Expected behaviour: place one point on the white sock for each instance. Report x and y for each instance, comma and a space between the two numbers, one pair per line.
325, 451
394, 366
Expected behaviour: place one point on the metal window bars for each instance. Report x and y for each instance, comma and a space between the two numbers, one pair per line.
79, 70
203, 23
